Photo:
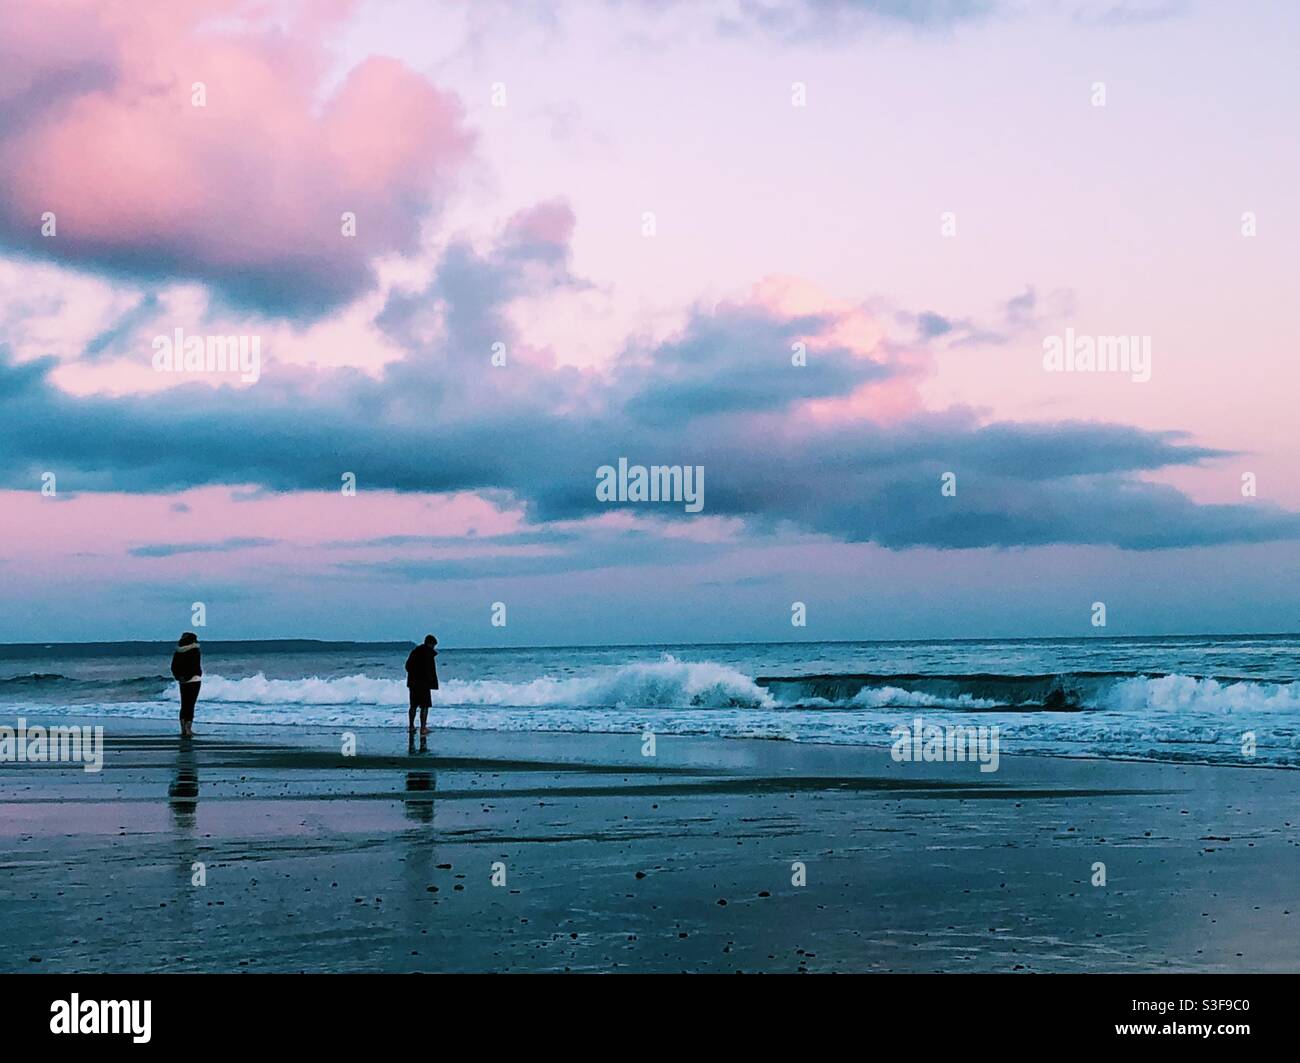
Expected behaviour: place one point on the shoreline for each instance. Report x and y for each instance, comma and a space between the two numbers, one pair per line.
605, 859
167, 726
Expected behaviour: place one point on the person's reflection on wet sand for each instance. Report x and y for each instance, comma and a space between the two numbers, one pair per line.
183, 793
420, 786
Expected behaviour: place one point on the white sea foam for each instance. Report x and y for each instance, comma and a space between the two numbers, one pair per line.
1193, 694
669, 683
893, 697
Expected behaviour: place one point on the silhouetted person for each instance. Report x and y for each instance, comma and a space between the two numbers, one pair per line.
421, 681
187, 669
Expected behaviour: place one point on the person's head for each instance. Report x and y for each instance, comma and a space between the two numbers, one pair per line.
429, 640
188, 638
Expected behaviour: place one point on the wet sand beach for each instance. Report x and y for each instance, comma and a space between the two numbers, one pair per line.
553, 852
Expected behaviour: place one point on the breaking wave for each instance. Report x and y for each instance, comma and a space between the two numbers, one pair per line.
660, 684
1126, 692
673, 684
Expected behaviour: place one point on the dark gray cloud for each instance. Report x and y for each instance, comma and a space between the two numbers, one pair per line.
722, 394
1017, 484
736, 359
828, 19
593, 549
533, 537
917, 12
839, 19
217, 547
1017, 316
530, 257
929, 325
119, 336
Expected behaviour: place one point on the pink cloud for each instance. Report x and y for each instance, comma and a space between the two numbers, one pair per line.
246, 192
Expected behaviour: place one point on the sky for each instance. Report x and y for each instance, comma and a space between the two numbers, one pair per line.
820, 250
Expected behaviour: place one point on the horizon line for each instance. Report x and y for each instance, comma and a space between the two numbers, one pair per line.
49, 644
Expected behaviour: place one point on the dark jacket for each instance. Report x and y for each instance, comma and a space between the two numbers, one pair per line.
185, 662
422, 669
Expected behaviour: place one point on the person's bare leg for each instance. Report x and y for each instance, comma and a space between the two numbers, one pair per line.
424, 721
410, 721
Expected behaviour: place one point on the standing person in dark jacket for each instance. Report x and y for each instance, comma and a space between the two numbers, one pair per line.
421, 680
187, 669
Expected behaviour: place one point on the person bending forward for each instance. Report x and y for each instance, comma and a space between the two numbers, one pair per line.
421, 681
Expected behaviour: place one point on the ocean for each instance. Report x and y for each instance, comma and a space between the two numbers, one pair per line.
1201, 699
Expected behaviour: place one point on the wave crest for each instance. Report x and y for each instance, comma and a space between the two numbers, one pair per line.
669, 683
1189, 693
